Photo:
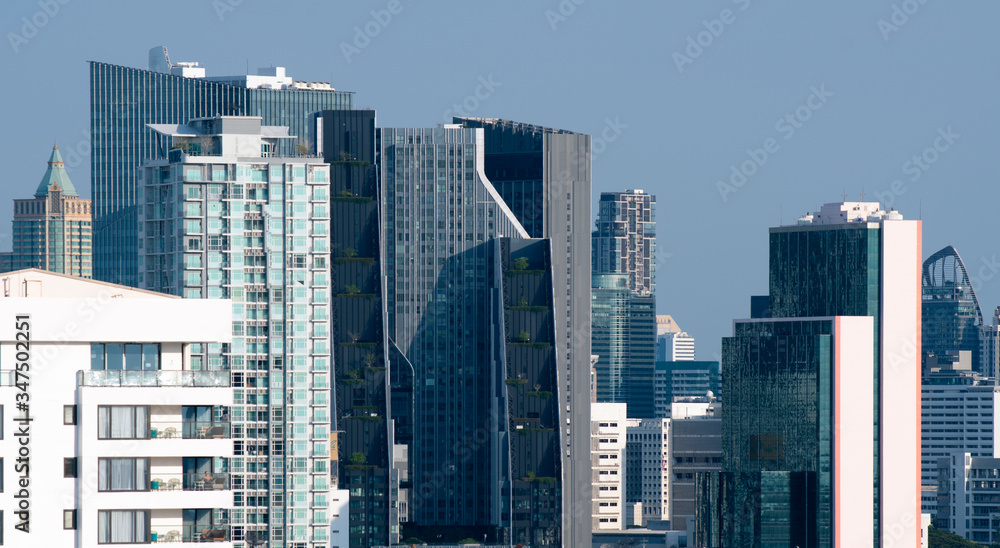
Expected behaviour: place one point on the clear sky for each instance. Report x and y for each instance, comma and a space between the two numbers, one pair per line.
675, 93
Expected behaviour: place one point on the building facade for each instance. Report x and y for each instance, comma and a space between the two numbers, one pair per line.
683, 379
544, 177
222, 217
125, 442
124, 100
52, 231
975, 489
609, 434
839, 354
624, 338
624, 241
647, 475
990, 347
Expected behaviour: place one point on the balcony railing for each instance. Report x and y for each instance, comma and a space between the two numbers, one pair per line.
211, 481
188, 430
190, 533
154, 378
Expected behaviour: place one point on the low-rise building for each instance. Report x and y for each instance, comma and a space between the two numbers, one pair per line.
607, 453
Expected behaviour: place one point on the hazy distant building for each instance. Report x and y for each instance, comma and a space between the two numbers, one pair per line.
675, 380
951, 319
989, 352
624, 241
821, 437
675, 347
52, 231
695, 446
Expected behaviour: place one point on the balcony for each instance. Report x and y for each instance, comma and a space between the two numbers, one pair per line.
210, 481
190, 533
154, 378
188, 430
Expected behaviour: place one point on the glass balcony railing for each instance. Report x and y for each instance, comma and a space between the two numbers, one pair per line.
188, 430
153, 378
204, 481
190, 533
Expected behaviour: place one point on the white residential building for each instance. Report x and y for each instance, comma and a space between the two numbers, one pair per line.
125, 443
607, 442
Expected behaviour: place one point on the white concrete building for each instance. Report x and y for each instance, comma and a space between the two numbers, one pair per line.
974, 490
607, 453
100, 374
339, 509
676, 346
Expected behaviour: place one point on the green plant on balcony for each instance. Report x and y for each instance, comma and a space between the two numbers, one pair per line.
523, 337
516, 382
352, 289
521, 263
353, 378
540, 393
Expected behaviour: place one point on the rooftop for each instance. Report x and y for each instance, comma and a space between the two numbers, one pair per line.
55, 177
836, 213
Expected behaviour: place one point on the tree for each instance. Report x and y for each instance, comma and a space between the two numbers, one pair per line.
358, 458
521, 263
523, 336
352, 289
349, 252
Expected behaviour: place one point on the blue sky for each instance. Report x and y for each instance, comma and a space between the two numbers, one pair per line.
679, 93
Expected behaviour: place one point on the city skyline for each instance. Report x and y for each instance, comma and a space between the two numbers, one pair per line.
892, 95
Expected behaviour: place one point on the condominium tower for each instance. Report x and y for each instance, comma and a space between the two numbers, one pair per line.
222, 216
624, 240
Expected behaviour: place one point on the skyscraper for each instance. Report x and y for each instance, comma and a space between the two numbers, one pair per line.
543, 176
624, 336
951, 319
822, 398
624, 241
221, 216
52, 231
124, 100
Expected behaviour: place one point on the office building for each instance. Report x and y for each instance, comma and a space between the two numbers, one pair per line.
623, 335
608, 458
126, 442
683, 379
647, 474
695, 447
990, 347
678, 346
975, 488
664, 324
124, 100
624, 241
52, 230
221, 216
951, 319
958, 415
821, 433
544, 177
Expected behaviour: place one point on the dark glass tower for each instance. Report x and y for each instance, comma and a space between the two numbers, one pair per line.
951, 317
123, 100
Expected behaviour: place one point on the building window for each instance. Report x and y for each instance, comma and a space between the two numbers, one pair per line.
69, 467
122, 422
123, 474
69, 414
122, 526
130, 357
69, 519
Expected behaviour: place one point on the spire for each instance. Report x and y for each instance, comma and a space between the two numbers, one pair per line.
56, 175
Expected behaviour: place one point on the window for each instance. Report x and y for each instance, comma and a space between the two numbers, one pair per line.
122, 474
69, 467
122, 422
69, 519
122, 526
69, 414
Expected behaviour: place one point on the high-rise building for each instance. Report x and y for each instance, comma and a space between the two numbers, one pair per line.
677, 346
960, 413
989, 353
695, 447
52, 230
113, 437
124, 100
608, 458
624, 338
647, 474
664, 324
974, 489
951, 319
624, 241
544, 177
221, 216
821, 433
683, 379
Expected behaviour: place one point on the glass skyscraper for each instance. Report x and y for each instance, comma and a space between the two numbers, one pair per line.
123, 100
221, 216
951, 318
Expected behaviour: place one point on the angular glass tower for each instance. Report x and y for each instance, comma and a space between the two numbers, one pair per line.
822, 399
951, 317
52, 231
123, 100
623, 334
220, 216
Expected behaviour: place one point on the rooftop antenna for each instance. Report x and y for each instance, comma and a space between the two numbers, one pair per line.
862, 193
